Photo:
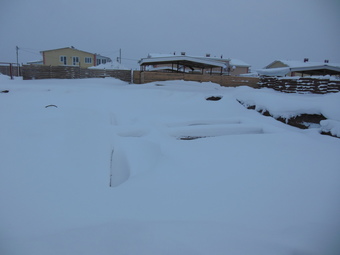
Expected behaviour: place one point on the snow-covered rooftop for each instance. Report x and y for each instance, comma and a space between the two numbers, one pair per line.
231, 61
296, 64
300, 66
237, 62
183, 59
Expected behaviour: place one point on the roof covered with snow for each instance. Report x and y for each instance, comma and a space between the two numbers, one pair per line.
297, 64
237, 62
231, 61
182, 60
282, 71
312, 68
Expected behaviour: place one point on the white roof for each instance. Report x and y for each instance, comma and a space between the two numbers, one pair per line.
237, 62
231, 61
159, 55
173, 58
282, 71
298, 64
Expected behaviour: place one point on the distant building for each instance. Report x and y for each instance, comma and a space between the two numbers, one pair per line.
71, 56
101, 60
193, 64
35, 62
299, 68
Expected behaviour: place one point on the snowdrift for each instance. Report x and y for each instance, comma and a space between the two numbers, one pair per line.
106, 170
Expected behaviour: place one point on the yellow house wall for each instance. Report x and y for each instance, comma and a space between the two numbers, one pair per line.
277, 64
52, 58
240, 70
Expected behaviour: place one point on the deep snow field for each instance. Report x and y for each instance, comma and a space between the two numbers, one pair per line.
100, 166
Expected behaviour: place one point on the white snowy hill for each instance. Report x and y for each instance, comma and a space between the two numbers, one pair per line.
100, 166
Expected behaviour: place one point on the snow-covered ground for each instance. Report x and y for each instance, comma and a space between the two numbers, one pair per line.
247, 185
110, 66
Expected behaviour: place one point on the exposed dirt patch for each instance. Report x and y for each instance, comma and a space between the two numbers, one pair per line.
187, 138
214, 98
303, 121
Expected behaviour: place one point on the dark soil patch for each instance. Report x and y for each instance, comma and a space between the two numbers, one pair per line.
302, 121
187, 138
214, 98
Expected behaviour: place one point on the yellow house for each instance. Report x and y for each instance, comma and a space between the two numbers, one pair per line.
71, 56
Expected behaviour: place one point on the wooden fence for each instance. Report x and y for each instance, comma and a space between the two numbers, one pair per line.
301, 85
140, 77
30, 72
10, 69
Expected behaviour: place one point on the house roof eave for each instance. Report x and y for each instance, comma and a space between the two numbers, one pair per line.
183, 60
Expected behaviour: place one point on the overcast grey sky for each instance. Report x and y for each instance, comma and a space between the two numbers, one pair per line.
255, 31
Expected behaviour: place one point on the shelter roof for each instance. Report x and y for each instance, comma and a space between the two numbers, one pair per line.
230, 61
300, 64
311, 70
182, 60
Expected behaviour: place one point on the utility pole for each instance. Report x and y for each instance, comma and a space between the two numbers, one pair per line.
17, 50
120, 56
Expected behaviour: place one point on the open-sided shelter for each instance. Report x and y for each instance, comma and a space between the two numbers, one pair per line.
182, 63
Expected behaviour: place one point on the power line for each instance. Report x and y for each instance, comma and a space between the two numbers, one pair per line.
23, 49
30, 49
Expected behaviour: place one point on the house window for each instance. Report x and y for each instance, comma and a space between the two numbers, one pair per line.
98, 62
75, 60
63, 60
104, 61
88, 60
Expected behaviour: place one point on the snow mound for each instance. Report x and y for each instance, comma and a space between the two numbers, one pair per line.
253, 186
331, 126
110, 66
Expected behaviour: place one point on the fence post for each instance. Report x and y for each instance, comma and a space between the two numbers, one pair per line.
131, 76
11, 71
142, 77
